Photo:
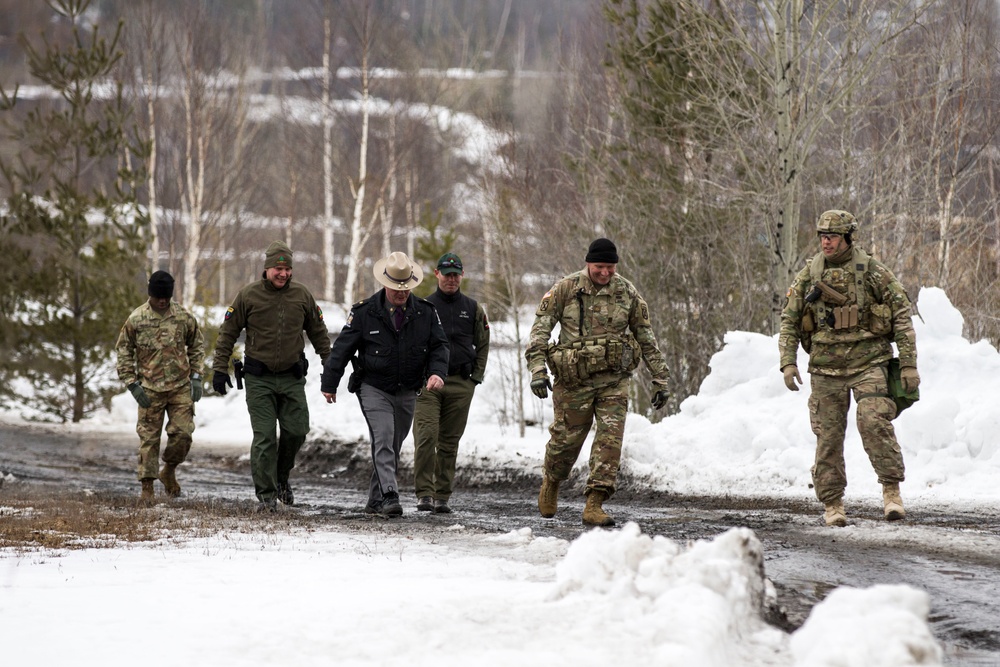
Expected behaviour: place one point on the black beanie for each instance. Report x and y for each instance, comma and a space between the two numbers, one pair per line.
602, 251
161, 285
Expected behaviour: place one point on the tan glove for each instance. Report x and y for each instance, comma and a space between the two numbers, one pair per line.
791, 372
910, 379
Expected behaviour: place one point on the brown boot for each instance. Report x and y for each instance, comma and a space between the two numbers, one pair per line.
148, 496
548, 497
169, 480
593, 514
834, 514
893, 502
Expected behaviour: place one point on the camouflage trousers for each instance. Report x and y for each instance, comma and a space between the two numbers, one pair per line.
179, 410
575, 412
438, 425
828, 405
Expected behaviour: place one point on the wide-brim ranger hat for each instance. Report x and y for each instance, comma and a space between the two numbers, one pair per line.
397, 272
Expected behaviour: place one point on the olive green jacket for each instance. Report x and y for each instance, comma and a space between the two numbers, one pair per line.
274, 321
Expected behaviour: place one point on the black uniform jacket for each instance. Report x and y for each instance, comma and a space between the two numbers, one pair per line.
390, 361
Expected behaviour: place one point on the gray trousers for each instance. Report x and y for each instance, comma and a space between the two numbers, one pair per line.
389, 417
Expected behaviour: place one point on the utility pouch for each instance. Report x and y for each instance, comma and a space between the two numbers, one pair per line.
594, 359
808, 324
254, 367
880, 319
564, 363
899, 396
357, 376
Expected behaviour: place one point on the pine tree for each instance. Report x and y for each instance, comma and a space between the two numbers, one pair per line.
71, 232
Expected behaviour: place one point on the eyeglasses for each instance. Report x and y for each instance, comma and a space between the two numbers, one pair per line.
450, 263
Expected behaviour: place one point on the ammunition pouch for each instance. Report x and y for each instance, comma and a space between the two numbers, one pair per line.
574, 364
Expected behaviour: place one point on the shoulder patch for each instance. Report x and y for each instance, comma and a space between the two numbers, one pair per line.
319, 312
229, 313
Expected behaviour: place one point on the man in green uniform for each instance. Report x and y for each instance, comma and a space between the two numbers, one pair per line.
274, 311
847, 309
440, 416
160, 353
604, 327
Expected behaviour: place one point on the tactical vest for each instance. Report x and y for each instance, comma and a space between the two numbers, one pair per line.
855, 312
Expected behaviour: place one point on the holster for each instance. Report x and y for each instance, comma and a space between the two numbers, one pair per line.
238, 372
357, 376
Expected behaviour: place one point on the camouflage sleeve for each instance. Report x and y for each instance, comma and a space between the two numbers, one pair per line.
195, 345
894, 294
642, 328
547, 316
481, 341
125, 350
791, 318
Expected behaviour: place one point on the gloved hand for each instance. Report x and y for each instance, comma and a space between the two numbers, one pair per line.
139, 394
540, 384
220, 381
792, 376
660, 398
196, 388
910, 379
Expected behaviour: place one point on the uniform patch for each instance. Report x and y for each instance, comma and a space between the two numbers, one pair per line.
319, 311
229, 312
350, 318
544, 305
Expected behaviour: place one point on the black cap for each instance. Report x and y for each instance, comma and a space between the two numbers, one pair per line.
602, 251
161, 285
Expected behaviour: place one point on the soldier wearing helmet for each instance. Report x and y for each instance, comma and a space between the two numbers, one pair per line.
846, 309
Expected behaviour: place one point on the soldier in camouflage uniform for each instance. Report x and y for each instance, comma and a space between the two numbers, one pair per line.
847, 309
603, 328
160, 354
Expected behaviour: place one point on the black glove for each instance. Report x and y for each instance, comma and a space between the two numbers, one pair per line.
140, 395
196, 388
660, 398
220, 381
540, 384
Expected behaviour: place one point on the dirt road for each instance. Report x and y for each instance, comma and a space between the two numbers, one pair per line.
953, 555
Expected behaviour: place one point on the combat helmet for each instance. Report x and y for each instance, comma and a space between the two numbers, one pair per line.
836, 222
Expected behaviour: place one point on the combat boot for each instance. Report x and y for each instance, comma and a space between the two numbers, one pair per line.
893, 502
834, 514
148, 493
548, 497
593, 514
169, 480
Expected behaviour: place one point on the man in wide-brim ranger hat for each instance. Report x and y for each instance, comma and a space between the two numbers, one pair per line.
397, 346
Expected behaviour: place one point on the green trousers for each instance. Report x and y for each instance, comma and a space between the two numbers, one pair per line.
275, 401
439, 421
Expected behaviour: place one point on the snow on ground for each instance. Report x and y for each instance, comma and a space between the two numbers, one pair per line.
326, 596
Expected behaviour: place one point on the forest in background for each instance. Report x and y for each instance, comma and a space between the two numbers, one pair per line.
705, 137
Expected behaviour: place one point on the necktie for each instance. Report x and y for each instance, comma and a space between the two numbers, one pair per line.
397, 318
